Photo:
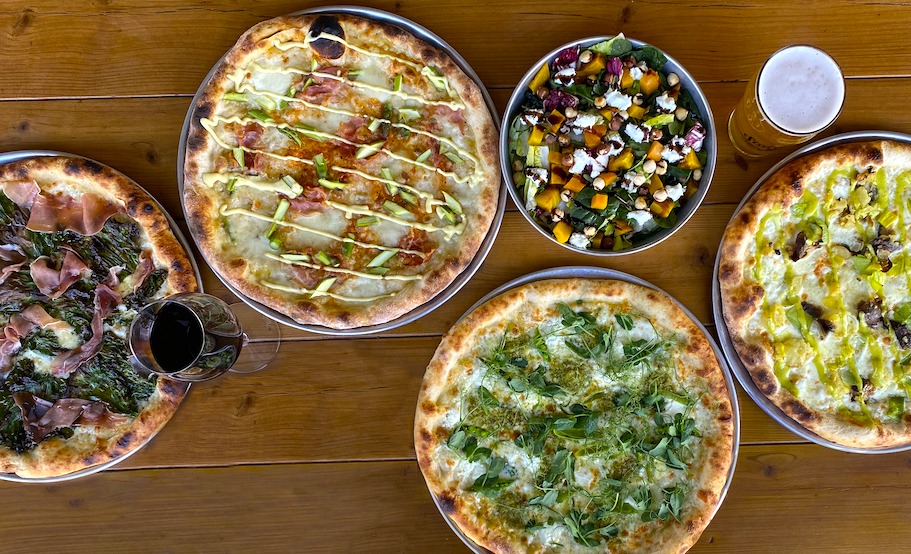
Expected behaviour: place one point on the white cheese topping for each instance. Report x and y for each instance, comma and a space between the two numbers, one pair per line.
579, 240
638, 218
666, 103
674, 192
618, 100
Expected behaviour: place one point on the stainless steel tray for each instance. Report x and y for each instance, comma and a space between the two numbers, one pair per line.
462, 279
7, 157
686, 212
727, 346
586, 272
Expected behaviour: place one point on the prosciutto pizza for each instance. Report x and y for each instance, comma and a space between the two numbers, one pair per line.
81, 250
339, 169
576, 416
815, 279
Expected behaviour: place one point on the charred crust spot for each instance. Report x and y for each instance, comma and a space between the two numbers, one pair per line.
237, 263
203, 110
799, 412
71, 167
148, 208
425, 436
177, 266
797, 185
329, 25
447, 503
428, 407
125, 440
874, 156
704, 495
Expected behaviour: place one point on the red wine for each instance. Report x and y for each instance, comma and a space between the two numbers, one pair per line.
177, 337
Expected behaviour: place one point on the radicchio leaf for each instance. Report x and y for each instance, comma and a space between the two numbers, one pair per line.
559, 100
566, 57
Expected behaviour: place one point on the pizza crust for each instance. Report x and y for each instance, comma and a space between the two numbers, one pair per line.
530, 303
89, 446
202, 212
741, 297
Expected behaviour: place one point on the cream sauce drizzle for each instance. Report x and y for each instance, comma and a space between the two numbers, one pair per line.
288, 45
224, 210
210, 124
452, 105
317, 293
449, 231
265, 185
386, 277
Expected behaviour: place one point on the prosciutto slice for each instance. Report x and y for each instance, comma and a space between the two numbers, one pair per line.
11, 260
17, 328
37, 315
85, 216
54, 282
41, 417
22, 193
106, 299
142, 270
49, 212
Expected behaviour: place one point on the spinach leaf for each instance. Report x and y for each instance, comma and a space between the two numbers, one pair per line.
651, 56
110, 378
42, 340
617, 46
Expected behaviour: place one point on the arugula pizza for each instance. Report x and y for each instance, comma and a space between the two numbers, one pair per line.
815, 281
81, 250
339, 169
576, 416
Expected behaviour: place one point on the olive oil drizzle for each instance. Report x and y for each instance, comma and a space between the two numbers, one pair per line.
313, 293
386, 277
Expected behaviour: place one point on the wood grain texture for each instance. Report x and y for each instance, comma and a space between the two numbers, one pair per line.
326, 400
92, 48
784, 498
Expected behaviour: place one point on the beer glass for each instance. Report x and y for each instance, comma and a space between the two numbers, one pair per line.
797, 93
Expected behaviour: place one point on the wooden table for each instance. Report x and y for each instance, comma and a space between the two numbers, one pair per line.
315, 453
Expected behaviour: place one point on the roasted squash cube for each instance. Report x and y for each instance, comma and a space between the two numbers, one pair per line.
608, 178
592, 68
662, 209
562, 231
575, 184
558, 175
537, 136
621, 228
599, 201
626, 80
622, 162
648, 83
654, 151
541, 78
600, 130
554, 120
636, 112
655, 184
548, 199
591, 139
690, 161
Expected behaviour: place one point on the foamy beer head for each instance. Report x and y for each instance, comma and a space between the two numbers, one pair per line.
801, 89
797, 93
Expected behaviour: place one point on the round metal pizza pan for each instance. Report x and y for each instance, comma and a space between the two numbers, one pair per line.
7, 157
686, 211
727, 345
586, 272
462, 279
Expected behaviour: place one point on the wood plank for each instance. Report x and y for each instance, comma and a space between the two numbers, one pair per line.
87, 48
139, 136
784, 498
326, 400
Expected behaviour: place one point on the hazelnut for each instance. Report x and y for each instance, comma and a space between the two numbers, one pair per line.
624, 115
557, 215
542, 92
660, 195
649, 166
598, 183
642, 191
550, 138
697, 175
637, 100
563, 140
656, 134
600, 102
518, 177
590, 231
585, 56
672, 79
570, 112
566, 160
566, 196
518, 165
616, 123
639, 180
640, 203
661, 168
680, 113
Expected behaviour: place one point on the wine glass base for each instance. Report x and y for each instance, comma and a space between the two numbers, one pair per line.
263, 339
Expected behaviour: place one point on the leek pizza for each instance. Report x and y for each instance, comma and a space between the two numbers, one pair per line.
81, 250
815, 278
339, 169
576, 416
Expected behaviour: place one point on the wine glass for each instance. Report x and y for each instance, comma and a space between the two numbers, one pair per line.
196, 337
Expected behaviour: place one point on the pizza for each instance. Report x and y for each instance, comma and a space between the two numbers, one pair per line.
82, 249
576, 416
815, 281
339, 170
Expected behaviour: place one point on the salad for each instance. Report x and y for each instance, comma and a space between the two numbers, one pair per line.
606, 147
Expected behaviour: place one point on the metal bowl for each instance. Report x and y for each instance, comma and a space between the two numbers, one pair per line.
460, 280
686, 211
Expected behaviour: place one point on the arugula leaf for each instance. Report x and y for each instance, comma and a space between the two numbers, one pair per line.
625, 321
616, 47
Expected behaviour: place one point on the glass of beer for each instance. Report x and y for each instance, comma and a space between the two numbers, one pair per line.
797, 93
